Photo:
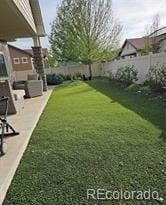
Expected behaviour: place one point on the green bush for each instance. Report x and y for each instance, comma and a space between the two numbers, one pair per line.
156, 77
133, 87
127, 74
63, 76
145, 89
78, 75
69, 77
54, 79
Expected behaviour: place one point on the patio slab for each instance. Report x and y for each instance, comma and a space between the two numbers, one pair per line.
24, 122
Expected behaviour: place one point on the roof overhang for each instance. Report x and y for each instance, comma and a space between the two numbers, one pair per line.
20, 19
36, 11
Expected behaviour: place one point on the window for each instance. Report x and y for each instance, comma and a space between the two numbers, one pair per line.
16, 60
3, 69
24, 60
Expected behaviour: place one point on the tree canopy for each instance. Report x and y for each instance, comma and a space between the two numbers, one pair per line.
84, 31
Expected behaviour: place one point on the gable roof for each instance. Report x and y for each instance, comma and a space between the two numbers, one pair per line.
137, 43
159, 32
19, 49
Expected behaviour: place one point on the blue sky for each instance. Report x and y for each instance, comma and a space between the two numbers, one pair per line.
134, 15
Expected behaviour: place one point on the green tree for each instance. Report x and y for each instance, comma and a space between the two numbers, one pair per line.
85, 31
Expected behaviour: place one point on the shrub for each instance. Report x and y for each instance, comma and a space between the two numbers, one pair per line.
127, 74
111, 76
78, 75
62, 76
68, 77
53, 79
145, 89
133, 87
156, 76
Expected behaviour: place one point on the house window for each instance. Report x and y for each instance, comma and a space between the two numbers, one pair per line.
16, 60
24, 60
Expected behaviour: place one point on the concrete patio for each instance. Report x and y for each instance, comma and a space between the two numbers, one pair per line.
24, 122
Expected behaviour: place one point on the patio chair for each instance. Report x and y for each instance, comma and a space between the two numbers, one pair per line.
5, 128
32, 86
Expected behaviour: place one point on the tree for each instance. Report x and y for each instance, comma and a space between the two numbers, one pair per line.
151, 41
50, 61
154, 28
84, 31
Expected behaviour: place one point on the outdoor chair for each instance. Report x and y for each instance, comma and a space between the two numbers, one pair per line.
5, 128
32, 86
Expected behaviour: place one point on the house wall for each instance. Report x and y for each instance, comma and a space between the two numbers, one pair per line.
128, 49
142, 64
21, 69
22, 75
5, 50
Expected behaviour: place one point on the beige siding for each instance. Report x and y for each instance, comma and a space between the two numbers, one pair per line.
24, 7
128, 49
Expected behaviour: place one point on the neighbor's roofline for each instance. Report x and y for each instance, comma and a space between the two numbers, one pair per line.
126, 41
21, 50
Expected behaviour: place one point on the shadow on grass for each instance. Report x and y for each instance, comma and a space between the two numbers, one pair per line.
151, 110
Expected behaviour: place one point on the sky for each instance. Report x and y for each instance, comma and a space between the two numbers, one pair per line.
133, 15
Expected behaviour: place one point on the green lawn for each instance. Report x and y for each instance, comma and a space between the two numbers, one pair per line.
93, 136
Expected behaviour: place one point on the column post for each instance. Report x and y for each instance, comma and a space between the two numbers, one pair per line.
38, 61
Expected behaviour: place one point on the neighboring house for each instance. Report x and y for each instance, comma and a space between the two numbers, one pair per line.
21, 62
134, 47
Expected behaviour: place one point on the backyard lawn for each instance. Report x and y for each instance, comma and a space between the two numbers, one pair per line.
93, 135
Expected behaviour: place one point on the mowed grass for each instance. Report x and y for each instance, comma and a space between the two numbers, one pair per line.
93, 136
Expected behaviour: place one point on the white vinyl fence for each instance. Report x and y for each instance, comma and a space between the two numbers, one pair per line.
142, 64
76, 68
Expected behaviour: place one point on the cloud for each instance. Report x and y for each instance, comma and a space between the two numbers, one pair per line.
134, 15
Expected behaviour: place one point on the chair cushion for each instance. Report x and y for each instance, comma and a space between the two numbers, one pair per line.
18, 94
33, 76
